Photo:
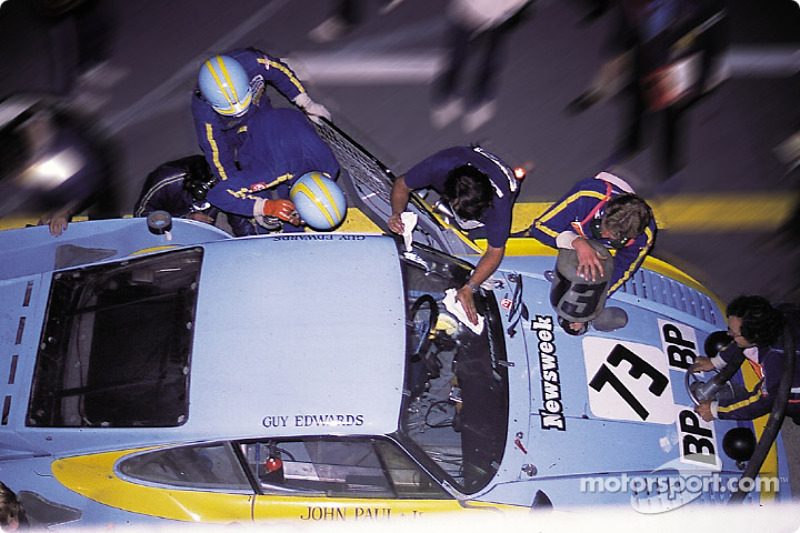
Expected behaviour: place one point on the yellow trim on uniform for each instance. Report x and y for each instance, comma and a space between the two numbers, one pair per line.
160, 185
215, 152
538, 224
289, 74
770, 467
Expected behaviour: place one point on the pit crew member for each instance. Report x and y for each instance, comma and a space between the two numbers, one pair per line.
480, 189
260, 190
231, 90
757, 328
180, 188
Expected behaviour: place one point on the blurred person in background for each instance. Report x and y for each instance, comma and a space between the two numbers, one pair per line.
477, 31
81, 36
673, 56
54, 161
347, 14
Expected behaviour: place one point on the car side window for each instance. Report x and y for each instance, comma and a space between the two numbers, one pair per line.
339, 467
212, 466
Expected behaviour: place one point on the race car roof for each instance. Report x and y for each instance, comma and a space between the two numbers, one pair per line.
298, 334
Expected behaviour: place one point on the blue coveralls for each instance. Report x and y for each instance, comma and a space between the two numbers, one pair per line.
574, 212
220, 136
432, 173
278, 147
750, 404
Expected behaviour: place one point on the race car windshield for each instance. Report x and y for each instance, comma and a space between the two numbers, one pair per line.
116, 344
455, 412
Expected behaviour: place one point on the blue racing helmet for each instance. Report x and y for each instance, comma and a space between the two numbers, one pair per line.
225, 84
319, 201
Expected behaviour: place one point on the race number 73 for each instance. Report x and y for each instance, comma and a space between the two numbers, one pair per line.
628, 381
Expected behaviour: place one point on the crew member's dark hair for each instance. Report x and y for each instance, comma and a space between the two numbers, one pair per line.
761, 323
627, 216
473, 190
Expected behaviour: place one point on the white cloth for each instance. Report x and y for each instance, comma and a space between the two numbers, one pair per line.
409, 221
455, 307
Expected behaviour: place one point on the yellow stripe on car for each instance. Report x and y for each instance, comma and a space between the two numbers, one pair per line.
93, 476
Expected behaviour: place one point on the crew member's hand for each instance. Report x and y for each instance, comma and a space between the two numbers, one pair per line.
282, 209
57, 221
464, 295
200, 217
313, 109
396, 224
704, 410
589, 266
701, 364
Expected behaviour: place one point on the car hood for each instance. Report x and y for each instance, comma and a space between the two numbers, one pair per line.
313, 348
606, 402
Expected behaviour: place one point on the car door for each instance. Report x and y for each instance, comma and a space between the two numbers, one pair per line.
341, 479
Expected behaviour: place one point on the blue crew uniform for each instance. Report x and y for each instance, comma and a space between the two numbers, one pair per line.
221, 136
585, 202
767, 361
432, 173
278, 147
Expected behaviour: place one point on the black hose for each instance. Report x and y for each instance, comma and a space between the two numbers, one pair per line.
775, 420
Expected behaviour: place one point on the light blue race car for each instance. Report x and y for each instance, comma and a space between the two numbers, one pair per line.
160, 370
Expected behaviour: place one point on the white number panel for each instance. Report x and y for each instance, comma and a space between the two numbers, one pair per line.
628, 381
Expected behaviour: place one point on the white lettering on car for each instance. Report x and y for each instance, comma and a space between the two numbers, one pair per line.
552, 414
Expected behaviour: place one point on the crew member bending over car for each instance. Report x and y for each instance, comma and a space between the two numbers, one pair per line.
480, 190
231, 92
757, 328
180, 188
279, 146
603, 209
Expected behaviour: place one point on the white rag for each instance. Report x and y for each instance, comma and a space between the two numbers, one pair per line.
409, 220
455, 307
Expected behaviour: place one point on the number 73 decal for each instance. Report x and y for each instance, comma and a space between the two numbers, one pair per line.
628, 381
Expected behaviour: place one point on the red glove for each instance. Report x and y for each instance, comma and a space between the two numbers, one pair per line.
282, 209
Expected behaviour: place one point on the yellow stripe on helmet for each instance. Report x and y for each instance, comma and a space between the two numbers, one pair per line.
319, 180
230, 94
216, 76
302, 188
